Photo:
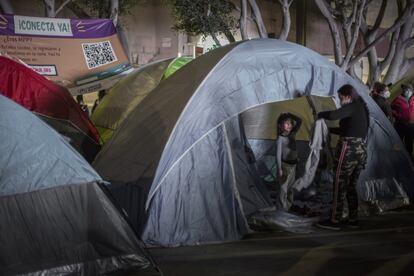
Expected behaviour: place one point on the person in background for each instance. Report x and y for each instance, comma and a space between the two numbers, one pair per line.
350, 157
286, 158
82, 105
401, 112
409, 132
101, 94
380, 94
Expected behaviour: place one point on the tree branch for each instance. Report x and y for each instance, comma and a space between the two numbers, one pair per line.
323, 7
114, 11
259, 20
6, 6
391, 51
355, 30
61, 7
397, 24
243, 19
380, 17
286, 19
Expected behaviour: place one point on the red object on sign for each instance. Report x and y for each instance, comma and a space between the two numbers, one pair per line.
39, 95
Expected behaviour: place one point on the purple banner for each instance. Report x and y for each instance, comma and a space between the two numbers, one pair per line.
16, 25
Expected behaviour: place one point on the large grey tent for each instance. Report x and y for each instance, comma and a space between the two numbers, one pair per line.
187, 141
55, 218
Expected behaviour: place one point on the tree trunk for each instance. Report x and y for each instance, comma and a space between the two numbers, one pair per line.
355, 31
215, 39
50, 8
393, 73
400, 21
258, 19
6, 7
322, 5
229, 36
243, 20
286, 19
114, 11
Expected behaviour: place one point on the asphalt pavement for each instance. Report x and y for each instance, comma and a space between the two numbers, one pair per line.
383, 246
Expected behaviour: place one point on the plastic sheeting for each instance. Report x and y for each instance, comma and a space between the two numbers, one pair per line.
174, 140
54, 216
281, 220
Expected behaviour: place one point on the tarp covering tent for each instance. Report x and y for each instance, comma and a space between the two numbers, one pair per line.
130, 91
50, 102
54, 217
185, 139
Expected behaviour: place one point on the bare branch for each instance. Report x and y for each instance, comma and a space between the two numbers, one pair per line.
396, 25
409, 42
243, 19
391, 51
286, 19
380, 16
50, 8
62, 6
259, 20
6, 6
355, 34
323, 7
114, 11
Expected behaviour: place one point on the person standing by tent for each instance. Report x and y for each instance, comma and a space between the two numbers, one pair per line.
286, 158
401, 113
350, 157
409, 126
380, 94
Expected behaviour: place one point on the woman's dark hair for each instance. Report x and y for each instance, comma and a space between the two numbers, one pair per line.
348, 90
281, 120
379, 87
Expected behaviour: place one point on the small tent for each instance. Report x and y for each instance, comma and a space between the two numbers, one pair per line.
130, 91
55, 218
51, 102
186, 140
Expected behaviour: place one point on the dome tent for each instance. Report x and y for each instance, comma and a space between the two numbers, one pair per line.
51, 102
130, 91
189, 146
54, 216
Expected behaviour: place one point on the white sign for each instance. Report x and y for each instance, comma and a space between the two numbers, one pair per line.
42, 26
45, 70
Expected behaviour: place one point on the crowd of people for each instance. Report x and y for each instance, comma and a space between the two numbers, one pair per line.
400, 111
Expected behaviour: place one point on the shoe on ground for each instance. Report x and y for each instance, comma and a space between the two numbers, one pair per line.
329, 225
351, 224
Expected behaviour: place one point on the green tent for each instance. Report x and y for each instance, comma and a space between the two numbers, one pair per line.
129, 92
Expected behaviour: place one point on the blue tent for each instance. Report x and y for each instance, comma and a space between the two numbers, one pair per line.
54, 216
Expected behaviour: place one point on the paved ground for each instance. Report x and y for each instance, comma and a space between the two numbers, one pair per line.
384, 246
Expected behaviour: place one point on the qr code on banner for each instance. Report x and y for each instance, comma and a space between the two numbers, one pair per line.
98, 54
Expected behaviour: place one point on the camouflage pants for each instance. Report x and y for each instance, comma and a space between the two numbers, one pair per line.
350, 159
